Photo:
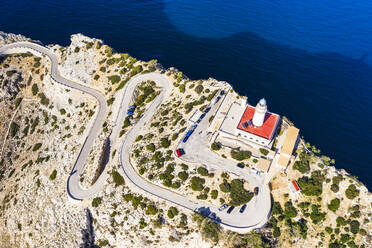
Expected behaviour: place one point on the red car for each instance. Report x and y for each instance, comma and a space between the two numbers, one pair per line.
256, 189
180, 152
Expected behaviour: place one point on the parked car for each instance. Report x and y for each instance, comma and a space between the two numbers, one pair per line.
240, 165
256, 189
201, 118
131, 109
243, 208
185, 139
230, 209
222, 92
217, 99
223, 207
180, 152
207, 109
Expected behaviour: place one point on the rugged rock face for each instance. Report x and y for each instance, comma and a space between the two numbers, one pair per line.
43, 125
6, 38
42, 128
79, 65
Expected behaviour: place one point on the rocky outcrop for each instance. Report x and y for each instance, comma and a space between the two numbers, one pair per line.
7, 38
80, 64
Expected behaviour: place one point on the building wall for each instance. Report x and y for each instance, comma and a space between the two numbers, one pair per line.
252, 138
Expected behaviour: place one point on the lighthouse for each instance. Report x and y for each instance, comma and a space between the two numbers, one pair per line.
260, 113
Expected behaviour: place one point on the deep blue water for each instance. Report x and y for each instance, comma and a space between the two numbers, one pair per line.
312, 60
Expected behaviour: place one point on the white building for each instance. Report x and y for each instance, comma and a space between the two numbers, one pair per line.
247, 125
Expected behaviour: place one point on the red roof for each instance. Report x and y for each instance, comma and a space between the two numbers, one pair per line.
264, 131
295, 185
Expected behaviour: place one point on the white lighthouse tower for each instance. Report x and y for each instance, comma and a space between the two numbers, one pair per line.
259, 113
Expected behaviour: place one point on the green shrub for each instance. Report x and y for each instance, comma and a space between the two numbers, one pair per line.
114, 79
126, 122
211, 95
215, 146
34, 89
53, 175
151, 210
14, 128
341, 221
302, 165
264, 151
354, 226
88, 45
214, 194
128, 197
335, 188
118, 179
62, 111
240, 155
175, 185
238, 194
43, 99
351, 192
17, 102
225, 186
199, 89
202, 196
184, 167
96, 202
312, 186
37, 62
174, 136
150, 147
211, 231
108, 51
202, 171
77, 49
183, 175
182, 88
277, 209
135, 70
197, 183
110, 61
172, 211
344, 237
316, 216
102, 242
334, 204
289, 210
110, 101
165, 142
36, 147
211, 118
337, 179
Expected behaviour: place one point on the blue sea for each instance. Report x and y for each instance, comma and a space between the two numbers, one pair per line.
311, 60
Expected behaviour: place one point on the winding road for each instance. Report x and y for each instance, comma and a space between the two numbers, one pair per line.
258, 210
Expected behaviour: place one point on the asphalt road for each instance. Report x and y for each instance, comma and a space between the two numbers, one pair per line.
257, 211
74, 188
